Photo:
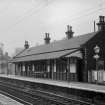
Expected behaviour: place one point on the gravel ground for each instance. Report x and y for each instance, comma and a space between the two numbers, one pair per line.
4, 100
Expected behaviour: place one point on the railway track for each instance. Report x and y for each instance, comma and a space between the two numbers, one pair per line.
32, 97
22, 96
16, 98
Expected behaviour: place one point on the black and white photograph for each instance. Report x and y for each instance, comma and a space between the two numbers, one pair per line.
52, 52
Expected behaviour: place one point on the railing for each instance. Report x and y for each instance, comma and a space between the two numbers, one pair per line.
96, 76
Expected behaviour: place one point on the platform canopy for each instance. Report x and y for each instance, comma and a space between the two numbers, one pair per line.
51, 55
77, 54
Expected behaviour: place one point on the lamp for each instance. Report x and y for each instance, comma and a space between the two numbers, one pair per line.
96, 49
96, 57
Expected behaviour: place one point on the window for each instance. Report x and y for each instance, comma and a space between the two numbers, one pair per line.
72, 68
100, 64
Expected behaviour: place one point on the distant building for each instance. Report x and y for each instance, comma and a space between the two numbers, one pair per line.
4, 58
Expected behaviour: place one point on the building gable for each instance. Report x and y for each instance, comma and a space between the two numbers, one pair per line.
97, 40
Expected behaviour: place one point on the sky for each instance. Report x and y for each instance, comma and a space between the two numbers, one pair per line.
29, 20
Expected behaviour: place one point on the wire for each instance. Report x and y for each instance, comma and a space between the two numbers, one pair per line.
33, 11
75, 17
4, 9
26, 14
87, 14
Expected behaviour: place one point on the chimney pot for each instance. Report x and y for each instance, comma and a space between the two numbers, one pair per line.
47, 38
26, 46
101, 18
101, 23
69, 32
68, 28
48, 35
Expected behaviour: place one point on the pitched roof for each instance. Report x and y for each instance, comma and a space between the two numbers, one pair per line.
44, 56
4, 58
58, 46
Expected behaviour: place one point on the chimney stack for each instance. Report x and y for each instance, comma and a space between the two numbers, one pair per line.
6, 54
69, 32
101, 23
47, 38
26, 46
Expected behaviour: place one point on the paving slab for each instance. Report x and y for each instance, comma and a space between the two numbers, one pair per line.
70, 84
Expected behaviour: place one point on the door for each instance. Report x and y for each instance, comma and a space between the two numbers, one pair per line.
80, 70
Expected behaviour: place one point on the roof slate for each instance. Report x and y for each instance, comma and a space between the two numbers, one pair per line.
54, 49
72, 43
44, 56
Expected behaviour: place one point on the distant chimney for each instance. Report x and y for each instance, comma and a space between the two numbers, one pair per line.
6, 53
101, 24
26, 46
69, 32
47, 38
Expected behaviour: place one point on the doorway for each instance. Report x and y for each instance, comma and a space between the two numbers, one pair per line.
80, 70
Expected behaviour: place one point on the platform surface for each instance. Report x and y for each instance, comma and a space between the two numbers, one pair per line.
4, 100
75, 85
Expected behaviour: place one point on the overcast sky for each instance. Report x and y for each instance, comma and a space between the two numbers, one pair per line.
22, 20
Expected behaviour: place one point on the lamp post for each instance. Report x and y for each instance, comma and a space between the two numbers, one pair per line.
96, 57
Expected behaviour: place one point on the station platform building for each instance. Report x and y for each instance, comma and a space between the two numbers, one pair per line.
76, 58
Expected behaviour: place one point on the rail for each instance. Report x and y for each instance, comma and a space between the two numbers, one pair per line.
32, 96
